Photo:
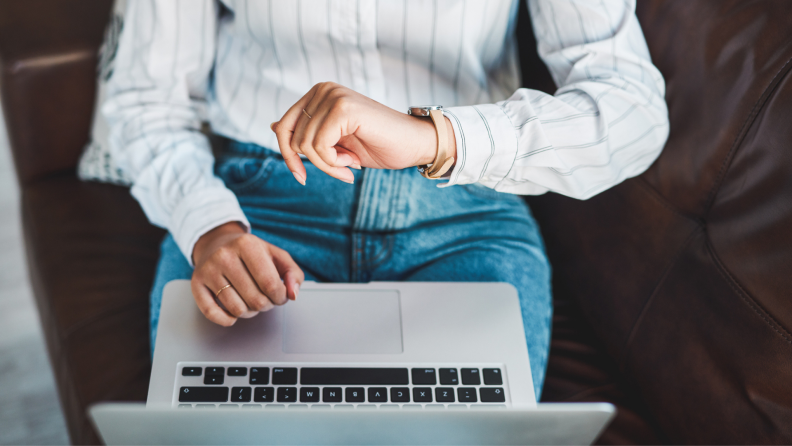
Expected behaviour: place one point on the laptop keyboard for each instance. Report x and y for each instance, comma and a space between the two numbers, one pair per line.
272, 386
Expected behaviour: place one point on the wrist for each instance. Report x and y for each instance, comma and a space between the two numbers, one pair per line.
429, 152
205, 241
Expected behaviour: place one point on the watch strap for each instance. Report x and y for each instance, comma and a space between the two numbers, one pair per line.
442, 161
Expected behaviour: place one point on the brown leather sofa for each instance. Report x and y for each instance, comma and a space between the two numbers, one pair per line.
672, 290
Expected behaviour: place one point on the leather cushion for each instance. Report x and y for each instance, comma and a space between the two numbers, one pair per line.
91, 256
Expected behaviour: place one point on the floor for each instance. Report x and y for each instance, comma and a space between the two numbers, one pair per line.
29, 409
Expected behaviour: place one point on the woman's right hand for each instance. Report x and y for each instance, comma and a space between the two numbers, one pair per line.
261, 275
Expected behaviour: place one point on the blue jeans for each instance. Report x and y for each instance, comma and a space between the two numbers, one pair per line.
391, 225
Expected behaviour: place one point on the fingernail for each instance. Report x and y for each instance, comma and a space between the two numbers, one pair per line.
355, 166
352, 181
300, 179
296, 290
272, 126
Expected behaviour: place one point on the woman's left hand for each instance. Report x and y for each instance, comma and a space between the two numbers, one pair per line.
340, 128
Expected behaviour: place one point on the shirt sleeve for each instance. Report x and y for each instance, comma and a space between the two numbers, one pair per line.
165, 54
607, 121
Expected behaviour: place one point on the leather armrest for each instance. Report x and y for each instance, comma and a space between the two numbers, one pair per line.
48, 57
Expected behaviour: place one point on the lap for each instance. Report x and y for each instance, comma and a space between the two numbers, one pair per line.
518, 262
480, 236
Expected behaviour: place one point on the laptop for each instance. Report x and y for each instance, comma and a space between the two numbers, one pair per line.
435, 359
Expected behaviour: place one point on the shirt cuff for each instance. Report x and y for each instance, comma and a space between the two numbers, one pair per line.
486, 144
199, 213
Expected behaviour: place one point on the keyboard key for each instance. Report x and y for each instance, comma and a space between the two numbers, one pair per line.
215, 370
287, 394
284, 376
377, 395
471, 377
467, 394
400, 395
240, 394
492, 395
192, 371
355, 395
444, 395
493, 377
424, 377
309, 394
237, 371
259, 376
263, 394
213, 379
449, 376
331, 395
422, 394
203, 395
341, 376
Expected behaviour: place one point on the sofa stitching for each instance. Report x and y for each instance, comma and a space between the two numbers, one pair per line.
749, 120
663, 202
750, 301
623, 360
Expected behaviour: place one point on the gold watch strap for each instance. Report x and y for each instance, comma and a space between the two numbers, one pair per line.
442, 162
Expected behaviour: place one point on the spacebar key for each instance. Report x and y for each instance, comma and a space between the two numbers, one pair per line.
350, 376
203, 395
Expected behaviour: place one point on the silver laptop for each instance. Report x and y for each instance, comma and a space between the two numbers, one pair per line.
343, 354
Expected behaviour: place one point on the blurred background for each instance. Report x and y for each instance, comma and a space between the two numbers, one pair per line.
30, 412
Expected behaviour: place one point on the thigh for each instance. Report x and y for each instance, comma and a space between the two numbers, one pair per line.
503, 256
172, 265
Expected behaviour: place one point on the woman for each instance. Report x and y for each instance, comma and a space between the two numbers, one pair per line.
329, 191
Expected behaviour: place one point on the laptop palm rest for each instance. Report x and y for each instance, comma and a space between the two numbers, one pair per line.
344, 322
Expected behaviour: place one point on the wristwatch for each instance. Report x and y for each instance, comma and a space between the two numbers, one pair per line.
442, 161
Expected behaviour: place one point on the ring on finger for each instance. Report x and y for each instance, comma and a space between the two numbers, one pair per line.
217, 294
306, 114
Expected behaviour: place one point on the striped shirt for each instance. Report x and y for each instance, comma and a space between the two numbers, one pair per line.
247, 61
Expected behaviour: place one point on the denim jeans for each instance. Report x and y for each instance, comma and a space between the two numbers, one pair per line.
391, 225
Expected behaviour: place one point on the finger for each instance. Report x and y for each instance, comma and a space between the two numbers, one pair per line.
290, 157
206, 303
300, 142
261, 268
248, 290
340, 173
284, 131
313, 133
325, 137
355, 160
293, 276
306, 128
229, 298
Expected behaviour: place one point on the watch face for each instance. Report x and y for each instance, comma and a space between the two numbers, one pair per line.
422, 110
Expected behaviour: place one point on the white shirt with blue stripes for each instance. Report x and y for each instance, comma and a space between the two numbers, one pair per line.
250, 60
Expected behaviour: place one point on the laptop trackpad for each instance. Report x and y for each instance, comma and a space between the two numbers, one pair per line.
344, 322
